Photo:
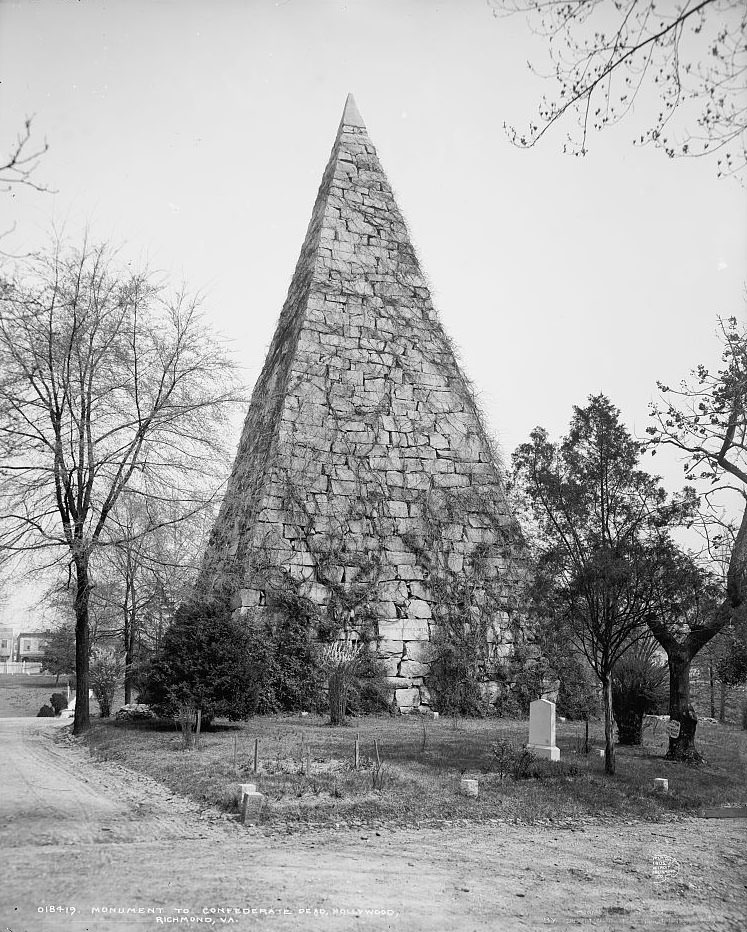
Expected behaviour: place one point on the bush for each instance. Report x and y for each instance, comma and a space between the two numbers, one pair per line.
578, 696
509, 760
453, 679
58, 701
287, 675
106, 672
209, 662
638, 688
46, 711
371, 692
341, 662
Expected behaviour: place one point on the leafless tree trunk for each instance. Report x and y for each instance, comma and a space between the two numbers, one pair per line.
712, 685
722, 703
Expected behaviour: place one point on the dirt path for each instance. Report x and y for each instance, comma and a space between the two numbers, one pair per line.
80, 842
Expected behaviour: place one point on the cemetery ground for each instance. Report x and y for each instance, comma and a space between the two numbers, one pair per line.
411, 766
84, 826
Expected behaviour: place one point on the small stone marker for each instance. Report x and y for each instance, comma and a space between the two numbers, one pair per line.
599, 752
661, 784
247, 788
542, 729
673, 728
435, 716
469, 787
251, 805
724, 812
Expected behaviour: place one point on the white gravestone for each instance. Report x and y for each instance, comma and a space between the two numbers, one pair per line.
542, 729
469, 787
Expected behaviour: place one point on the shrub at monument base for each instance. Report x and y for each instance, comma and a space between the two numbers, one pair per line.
578, 696
639, 687
208, 662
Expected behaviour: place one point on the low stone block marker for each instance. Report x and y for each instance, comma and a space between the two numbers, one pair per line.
251, 804
469, 787
724, 812
599, 752
542, 730
661, 784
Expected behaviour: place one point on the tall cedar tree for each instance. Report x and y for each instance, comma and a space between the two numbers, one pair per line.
208, 662
597, 519
59, 651
107, 382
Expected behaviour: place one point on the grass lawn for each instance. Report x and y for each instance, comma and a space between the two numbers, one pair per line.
422, 763
22, 695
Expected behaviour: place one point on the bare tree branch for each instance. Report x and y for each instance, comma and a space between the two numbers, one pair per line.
689, 57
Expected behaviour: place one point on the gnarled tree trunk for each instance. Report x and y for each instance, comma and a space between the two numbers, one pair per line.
680, 653
680, 708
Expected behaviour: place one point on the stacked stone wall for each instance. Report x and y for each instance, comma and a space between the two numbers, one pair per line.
365, 478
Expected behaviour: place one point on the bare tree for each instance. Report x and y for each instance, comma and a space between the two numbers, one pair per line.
150, 567
689, 57
107, 382
19, 165
22, 161
706, 420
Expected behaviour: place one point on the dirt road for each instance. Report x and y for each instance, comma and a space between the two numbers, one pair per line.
89, 845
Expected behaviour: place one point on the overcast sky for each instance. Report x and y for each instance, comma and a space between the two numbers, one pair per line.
196, 134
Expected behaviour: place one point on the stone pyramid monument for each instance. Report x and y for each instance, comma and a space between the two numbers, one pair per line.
364, 481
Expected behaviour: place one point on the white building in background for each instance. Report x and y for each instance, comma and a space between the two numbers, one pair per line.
30, 647
6, 643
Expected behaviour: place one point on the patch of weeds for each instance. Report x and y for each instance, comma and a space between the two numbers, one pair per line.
229, 798
379, 776
509, 760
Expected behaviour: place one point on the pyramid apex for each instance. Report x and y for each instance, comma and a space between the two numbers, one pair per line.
351, 115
